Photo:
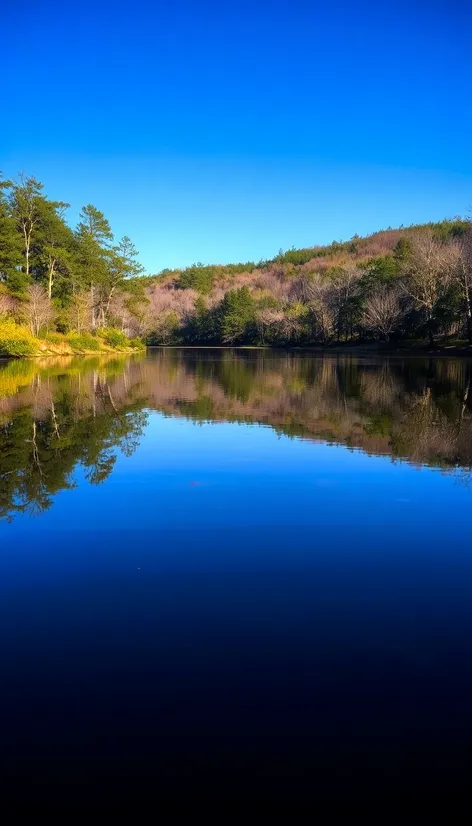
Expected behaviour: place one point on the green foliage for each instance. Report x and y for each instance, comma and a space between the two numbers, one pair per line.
74, 276
449, 229
41, 449
203, 327
402, 251
53, 338
113, 337
380, 270
197, 278
298, 257
15, 340
237, 315
203, 278
10, 245
85, 280
136, 343
83, 342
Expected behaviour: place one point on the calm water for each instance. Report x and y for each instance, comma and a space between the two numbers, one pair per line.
235, 574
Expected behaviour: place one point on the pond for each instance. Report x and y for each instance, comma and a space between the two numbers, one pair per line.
235, 573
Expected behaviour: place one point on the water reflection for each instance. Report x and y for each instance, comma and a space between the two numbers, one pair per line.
58, 415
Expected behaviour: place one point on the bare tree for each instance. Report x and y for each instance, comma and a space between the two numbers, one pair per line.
268, 318
344, 293
317, 292
428, 272
80, 311
37, 311
463, 276
132, 316
383, 311
6, 304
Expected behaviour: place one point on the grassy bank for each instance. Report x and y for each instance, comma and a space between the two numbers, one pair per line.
16, 341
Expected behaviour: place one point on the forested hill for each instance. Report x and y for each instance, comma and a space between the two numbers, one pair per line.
83, 283
406, 283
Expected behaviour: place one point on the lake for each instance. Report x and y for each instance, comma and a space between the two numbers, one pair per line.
235, 574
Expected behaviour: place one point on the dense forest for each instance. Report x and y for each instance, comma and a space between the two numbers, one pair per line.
83, 287
56, 417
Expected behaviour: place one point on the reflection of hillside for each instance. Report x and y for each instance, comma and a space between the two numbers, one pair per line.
416, 409
56, 415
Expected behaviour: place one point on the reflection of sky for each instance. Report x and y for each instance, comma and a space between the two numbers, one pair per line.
231, 475
225, 587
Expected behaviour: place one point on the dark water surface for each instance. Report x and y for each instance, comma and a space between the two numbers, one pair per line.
235, 574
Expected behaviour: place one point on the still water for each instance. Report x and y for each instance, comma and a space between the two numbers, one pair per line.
235, 574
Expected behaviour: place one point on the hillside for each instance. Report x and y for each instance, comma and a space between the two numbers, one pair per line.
411, 283
396, 283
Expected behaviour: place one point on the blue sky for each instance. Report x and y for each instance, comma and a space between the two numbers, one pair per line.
221, 132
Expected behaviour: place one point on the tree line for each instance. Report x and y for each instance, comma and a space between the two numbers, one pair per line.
418, 287
54, 277
411, 283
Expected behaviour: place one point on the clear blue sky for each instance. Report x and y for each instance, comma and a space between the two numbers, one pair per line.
222, 131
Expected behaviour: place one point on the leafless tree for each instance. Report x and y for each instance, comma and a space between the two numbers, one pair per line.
37, 311
6, 304
345, 289
383, 311
133, 317
428, 273
463, 275
268, 319
165, 326
318, 294
80, 311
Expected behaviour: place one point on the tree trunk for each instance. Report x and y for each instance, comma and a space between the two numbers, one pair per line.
92, 307
27, 250
430, 332
51, 280
469, 322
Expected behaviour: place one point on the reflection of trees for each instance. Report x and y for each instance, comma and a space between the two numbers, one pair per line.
55, 416
417, 409
67, 421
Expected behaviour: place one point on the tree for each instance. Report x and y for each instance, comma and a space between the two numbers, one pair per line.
345, 297
122, 264
94, 237
6, 303
427, 274
237, 313
463, 276
10, 243
56, 244
37, 311
383, 311
317, 292
25, 196
268, 319
80, 311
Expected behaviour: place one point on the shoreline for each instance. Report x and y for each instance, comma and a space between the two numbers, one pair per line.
339, 349
72, 354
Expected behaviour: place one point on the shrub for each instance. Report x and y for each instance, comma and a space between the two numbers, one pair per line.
113, 337
53, 338
81, 342
15, 340
137, 343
